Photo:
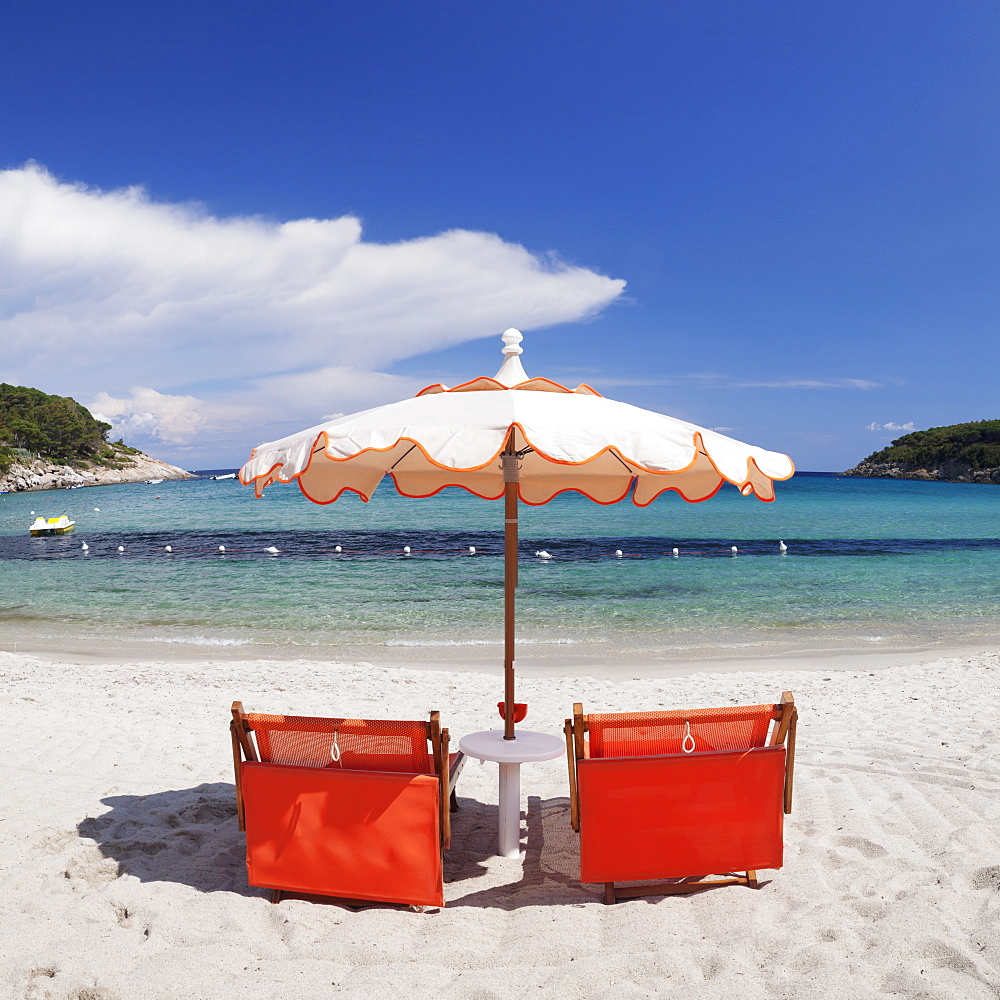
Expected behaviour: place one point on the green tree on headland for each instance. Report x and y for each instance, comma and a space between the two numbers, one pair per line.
56, 428
976, 445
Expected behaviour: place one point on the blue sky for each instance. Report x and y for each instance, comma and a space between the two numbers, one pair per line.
801, 199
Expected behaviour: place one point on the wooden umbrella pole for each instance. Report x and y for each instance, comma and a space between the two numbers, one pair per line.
510, 476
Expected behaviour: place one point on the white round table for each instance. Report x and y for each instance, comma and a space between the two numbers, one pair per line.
510, 755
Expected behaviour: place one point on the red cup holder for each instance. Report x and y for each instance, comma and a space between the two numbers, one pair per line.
520, 710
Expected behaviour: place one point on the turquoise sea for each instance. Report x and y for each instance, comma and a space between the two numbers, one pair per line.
871, 565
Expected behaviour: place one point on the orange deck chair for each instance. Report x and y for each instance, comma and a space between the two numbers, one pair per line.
680, 795
351, 808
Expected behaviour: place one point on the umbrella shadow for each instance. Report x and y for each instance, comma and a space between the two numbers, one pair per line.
550, 866
473, 841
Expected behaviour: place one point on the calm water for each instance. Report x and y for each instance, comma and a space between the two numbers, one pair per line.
871, 564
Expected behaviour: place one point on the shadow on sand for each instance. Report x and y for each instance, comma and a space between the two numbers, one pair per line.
186, 835
190, 836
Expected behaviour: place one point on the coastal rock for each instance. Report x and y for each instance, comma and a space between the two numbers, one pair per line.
958, 453
950, 472
40, 475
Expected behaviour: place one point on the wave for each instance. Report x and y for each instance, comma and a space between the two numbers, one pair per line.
484, 642
195, 640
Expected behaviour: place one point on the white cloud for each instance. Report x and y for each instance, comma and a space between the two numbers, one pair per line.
721, 381
890, 426
304, 399
150, 415
805, 383
126, 291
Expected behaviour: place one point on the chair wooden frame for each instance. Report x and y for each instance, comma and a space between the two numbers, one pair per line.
782, 733
447, 767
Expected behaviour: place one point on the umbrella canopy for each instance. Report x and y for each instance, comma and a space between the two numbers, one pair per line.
523, 438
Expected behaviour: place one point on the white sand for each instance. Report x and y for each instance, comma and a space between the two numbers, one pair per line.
123, 871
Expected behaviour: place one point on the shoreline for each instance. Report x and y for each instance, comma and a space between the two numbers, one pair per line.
557, 661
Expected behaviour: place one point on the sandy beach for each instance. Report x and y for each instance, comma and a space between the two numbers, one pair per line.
124, 877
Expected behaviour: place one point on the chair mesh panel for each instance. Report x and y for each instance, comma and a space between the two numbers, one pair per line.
643, 734
365, 744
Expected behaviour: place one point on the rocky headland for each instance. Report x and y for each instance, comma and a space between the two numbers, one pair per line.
43, 475
959, 453
52, 442
950, 472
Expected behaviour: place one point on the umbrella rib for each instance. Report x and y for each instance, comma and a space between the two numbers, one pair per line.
401, 457
611, 451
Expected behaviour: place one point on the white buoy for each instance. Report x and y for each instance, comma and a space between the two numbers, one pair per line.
222, 548
676, 552
121, 548
167, 548
619, 553
337, 548
85, 547
782, 547
272, 550
406, 550
98, 509
542, 554
32, 513
472, 550
734, 550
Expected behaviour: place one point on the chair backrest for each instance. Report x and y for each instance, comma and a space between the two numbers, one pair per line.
687, 732
642, 734
387, 746
681, 814
351, 744
353, 834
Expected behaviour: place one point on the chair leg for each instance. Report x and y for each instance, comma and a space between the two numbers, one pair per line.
609, 892
454, 801
275, 895
752, 880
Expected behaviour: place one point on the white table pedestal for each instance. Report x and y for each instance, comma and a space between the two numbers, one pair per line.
510, 810
510, 755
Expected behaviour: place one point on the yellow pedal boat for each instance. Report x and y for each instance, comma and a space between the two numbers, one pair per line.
51, 526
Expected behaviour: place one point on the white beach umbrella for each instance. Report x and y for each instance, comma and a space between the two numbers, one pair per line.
520, 438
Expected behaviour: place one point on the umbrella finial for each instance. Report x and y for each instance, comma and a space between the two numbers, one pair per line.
511, 372
512, 338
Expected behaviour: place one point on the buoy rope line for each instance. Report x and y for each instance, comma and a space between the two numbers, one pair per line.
406, 550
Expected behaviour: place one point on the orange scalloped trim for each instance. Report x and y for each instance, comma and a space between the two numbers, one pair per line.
486, 384
698, 443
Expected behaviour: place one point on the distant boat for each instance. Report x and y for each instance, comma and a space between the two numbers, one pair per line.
61, 525
153, 482
228, 475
